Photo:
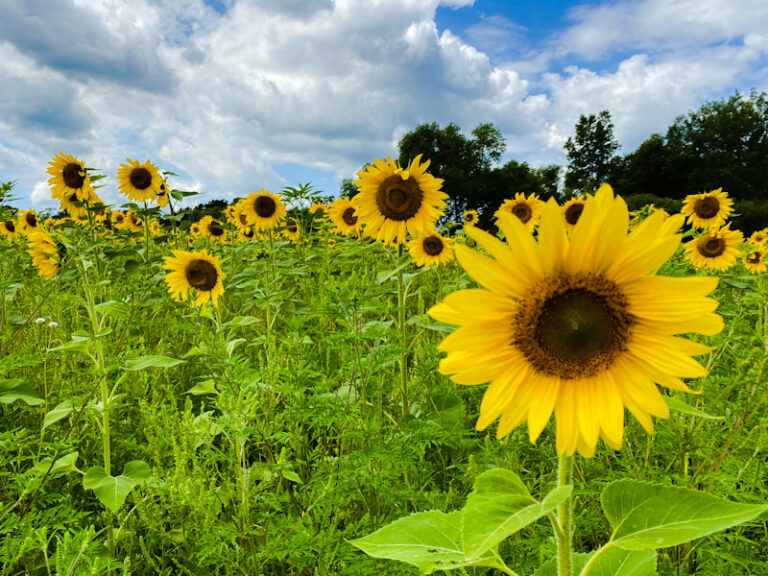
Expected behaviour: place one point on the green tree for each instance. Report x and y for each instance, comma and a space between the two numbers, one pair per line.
591, 152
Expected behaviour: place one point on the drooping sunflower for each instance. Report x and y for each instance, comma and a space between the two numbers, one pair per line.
707, 209
527, 209
141, 182
161, 194
471, 217
394, 201
572, 211
46, 253
716, 249
9, 229
27, 221
69, 179
754, 260
343, 215
212, 229
430, 250
263, 210
576, 324
194, 275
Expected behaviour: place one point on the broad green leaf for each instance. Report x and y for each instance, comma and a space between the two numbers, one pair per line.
155, 361
646, 516
239, 321
204, 387
61, 411
429, 540
499, 506
77, 344
113, 490
678, 405
66, 463
614, 562
232, 344
113, 307
16, 389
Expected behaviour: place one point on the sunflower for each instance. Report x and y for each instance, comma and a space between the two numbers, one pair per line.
576, 324
754, 260
212, 229
132, 222
118, 220
196, 230
292, 232
154, 228
318, 209
526, 208
393, 200
161, 194
263, 210
231, 214
9, 229
343, 216
707, 209
46, 253
27, 221
717, 249
470, 217
757, 238
572, 211
194, 275
69, 179
245, 234
430, 249
141, 182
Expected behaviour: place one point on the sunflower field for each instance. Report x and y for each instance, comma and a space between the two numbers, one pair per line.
360, 387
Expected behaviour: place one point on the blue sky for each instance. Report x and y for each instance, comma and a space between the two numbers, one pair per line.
235, 95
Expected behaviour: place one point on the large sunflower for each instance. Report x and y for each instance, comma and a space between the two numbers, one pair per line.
263, 210
716, 249
69, 179
141, 182
343, 216
46, 253
194, 275
576, 324
708, 209
527, 209
395, 200
430, 249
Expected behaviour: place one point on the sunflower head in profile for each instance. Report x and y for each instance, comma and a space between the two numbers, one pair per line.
343, 215
212, 229
141, 182
245, 234
118, 219
154, 228
263, 210
471, 217
230, 212
69, 179
709, 209
162, 193
46, 253
527, 209
9, 229
292, 231
716, 249
133, 223
754, 259
430, 250
27, 221
572, 211
318, 210
394, 201
194, 276
576, 324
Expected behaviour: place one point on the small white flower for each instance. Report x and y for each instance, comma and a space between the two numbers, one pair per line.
39, 321
52, 325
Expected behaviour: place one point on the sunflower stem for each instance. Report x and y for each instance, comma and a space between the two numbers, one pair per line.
564, 475
146, 232
401, 327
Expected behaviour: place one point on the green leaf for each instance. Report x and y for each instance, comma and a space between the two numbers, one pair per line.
204, 387
499, 506
16, 389
144, 362
679, 406
113, 307
614, 562
646, 516
61, 411
239, 321
428, 540
113, 490
66, 463
77, 344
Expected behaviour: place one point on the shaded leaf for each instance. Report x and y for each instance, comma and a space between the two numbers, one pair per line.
154, 361
16, 389
678, 405
614, 562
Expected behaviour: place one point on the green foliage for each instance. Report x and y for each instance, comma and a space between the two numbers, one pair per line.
591, 153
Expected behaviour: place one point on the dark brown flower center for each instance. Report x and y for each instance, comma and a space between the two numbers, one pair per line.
243, 219
73, 175
162, 190
215, 229
10, 226
349, 216
140, 178
523, 211
469, 218
706, 208
201, 275
754, 258
265, 206
31, 219
711, 246
432, 245
399, 199
572, 325
248, 233
119, 218
573, 213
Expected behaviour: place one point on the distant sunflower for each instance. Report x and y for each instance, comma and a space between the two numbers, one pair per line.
154, 228
572, 211
118, 219
9, 229
213, 229
196, 230
292, 232
758, 238
69, 179
527, 209
231, 214
245, 234
318, 209
430, 250
471, 217
46, 253
707, 209
263, 210
133, 222
343, 215
754, 260
161, 194
194, 275
394, 201
27, 221
576, 324
141, 182
716, 249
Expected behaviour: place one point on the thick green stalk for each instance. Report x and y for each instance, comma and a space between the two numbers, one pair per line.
564, 475
401, 328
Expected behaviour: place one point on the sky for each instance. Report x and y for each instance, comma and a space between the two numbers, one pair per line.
236, 95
